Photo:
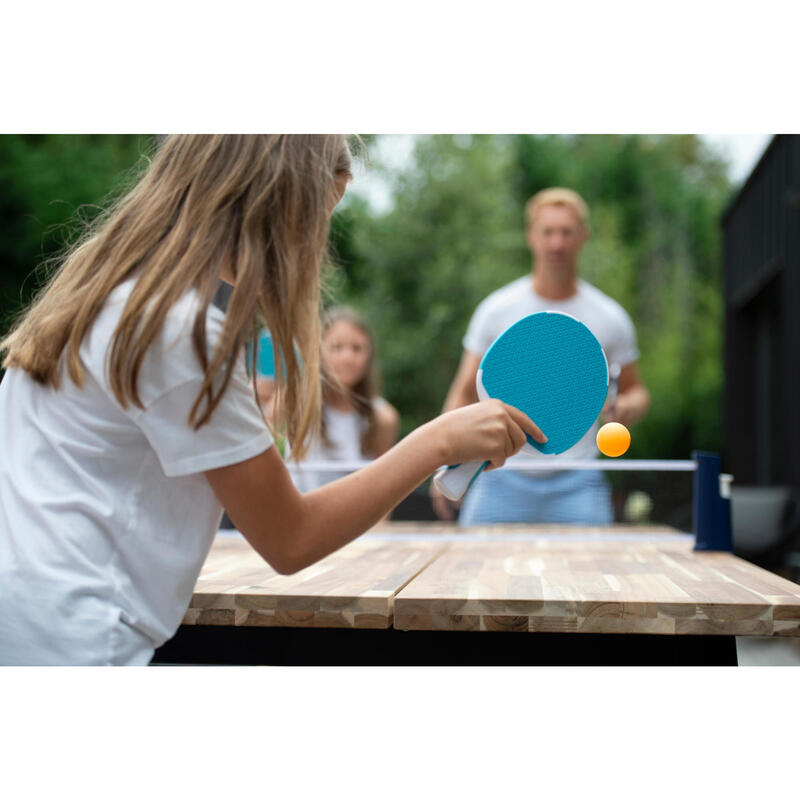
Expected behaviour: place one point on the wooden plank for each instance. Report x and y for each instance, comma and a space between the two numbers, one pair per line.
498, 530
599, 585
352, 588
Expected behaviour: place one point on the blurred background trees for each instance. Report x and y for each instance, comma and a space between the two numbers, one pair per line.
48, 183
454, 233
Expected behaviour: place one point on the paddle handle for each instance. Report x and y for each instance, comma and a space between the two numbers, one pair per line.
454, 481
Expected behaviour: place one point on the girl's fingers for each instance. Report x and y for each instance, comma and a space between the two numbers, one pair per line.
495, 463
526, 423
517, 436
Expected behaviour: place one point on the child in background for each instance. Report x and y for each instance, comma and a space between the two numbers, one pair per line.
128, 421
357, 423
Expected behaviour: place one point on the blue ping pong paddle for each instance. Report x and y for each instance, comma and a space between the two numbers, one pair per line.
550, 366
266, 355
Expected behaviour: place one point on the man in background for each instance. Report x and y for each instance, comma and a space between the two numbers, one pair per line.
557, 228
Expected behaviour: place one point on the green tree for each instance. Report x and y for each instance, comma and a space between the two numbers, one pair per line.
47, 184
455, 233
418, 272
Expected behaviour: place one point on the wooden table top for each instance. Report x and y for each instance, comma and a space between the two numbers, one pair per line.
517, 578
352, 588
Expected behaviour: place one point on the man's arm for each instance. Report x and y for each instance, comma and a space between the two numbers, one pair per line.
633, 399
462, 390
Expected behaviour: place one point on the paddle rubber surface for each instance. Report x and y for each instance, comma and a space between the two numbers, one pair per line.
266, 355
552, 367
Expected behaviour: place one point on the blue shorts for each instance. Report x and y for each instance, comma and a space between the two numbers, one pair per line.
579, 497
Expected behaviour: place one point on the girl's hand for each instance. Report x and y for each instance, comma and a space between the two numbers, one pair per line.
292, 530
487, 431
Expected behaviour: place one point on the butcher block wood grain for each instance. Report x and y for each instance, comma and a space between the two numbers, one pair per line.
597, 584
352, 588
497, 530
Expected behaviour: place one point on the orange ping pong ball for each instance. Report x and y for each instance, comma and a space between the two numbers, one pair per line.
613, 439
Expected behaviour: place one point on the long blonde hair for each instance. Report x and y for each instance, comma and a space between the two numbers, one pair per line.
256, 205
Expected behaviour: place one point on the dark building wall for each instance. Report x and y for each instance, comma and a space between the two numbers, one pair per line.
762, 320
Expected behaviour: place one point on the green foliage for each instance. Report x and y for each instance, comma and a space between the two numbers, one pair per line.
418, 272
455, 233
47, 184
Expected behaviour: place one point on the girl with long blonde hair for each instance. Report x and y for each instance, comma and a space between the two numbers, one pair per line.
128, 421
357, 423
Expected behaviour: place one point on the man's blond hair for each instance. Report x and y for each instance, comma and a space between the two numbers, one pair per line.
557, 196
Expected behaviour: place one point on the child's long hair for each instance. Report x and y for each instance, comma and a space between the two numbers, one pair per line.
257, 204
366, 390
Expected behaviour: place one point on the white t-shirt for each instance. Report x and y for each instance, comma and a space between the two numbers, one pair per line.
106, 517
604, 317
344, 429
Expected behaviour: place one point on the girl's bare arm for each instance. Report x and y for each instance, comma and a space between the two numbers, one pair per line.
291, 530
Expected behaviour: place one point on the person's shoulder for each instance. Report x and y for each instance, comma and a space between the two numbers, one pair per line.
508, 294
171, 358
608, 304
385, 412
178, 320
382, 406
519, 286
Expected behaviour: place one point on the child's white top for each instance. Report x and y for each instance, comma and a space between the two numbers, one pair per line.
106, 517
344, 429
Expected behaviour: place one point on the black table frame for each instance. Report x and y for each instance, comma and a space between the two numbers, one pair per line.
329, 647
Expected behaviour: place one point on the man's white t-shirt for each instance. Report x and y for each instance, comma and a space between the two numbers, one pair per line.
344, 430
106, 517
604, 317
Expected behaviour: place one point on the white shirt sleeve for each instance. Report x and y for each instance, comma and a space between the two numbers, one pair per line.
479, 333
169, 381
624, 350
235, 432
